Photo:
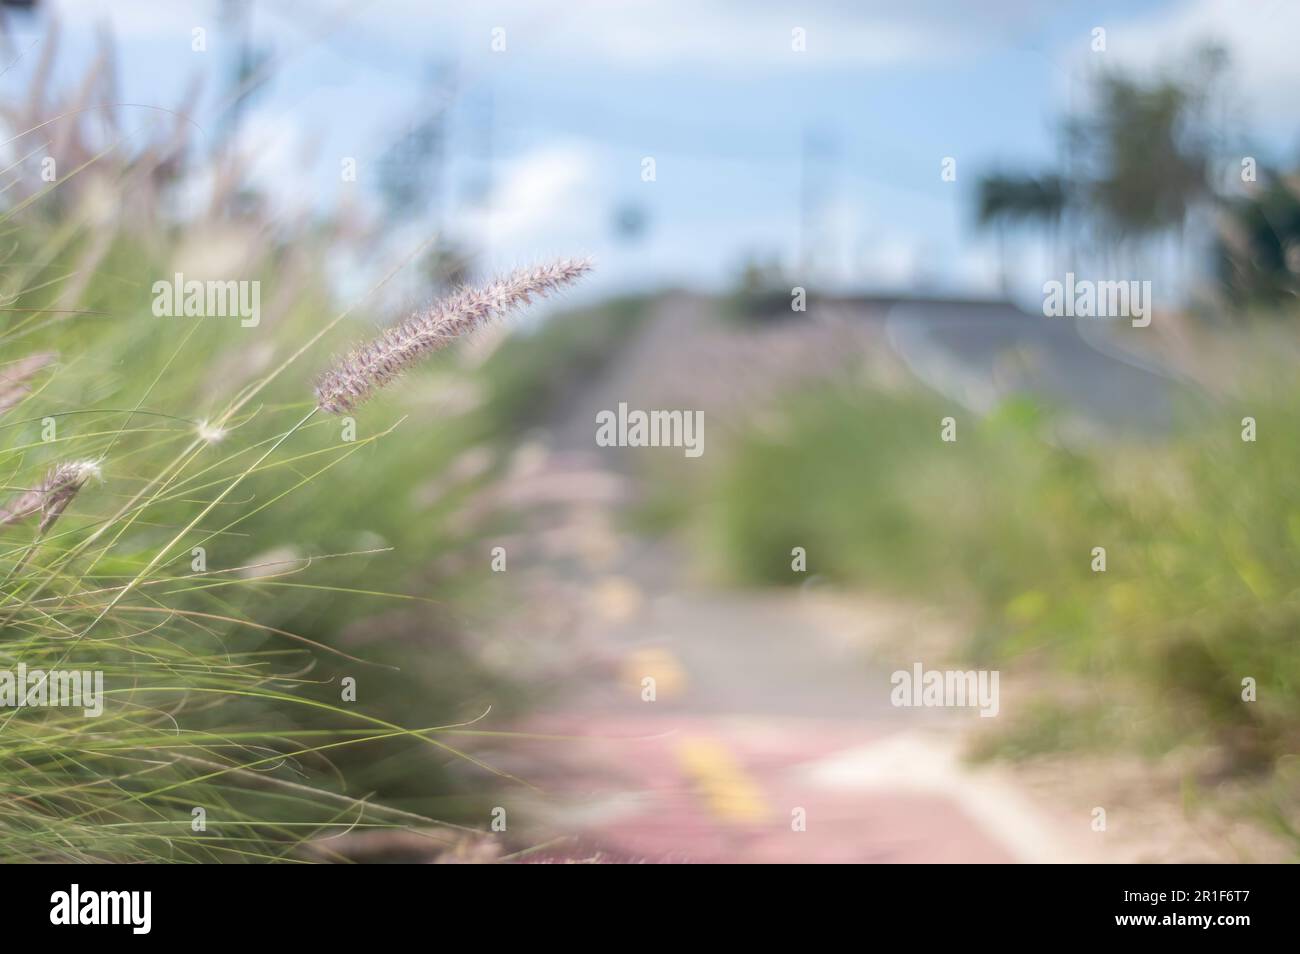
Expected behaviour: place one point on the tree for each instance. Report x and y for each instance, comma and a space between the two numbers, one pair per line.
1007, 200
1258, 250
1139, 161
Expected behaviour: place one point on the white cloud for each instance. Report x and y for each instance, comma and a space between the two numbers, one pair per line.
539, 194
721, 34
664, 33
730, 36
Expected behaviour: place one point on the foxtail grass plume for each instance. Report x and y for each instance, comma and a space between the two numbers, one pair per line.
356, 377
52, 496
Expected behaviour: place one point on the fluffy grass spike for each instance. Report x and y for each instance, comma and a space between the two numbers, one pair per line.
52, 496
356, 377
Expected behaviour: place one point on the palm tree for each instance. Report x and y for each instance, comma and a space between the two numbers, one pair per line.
1143, 153
1140, 161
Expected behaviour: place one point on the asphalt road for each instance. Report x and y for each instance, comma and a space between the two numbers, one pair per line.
769, 734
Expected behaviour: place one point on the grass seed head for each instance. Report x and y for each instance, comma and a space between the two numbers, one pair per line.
358, 375
52, 496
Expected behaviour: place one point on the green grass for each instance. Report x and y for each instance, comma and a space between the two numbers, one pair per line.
224, 679
1202, 537
533, 373
224, 675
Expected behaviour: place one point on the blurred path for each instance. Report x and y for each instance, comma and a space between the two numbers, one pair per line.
768, 739
742, 727
980, 353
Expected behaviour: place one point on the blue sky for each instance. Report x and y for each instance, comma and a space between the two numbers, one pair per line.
712, 91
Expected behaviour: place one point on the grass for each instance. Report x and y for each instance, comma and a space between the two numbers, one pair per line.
222, 690
532, 374
1201, 531
241, 554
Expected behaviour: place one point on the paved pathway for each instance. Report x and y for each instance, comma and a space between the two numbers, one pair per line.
770, 736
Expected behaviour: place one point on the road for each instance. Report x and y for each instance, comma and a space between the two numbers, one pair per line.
741, 726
